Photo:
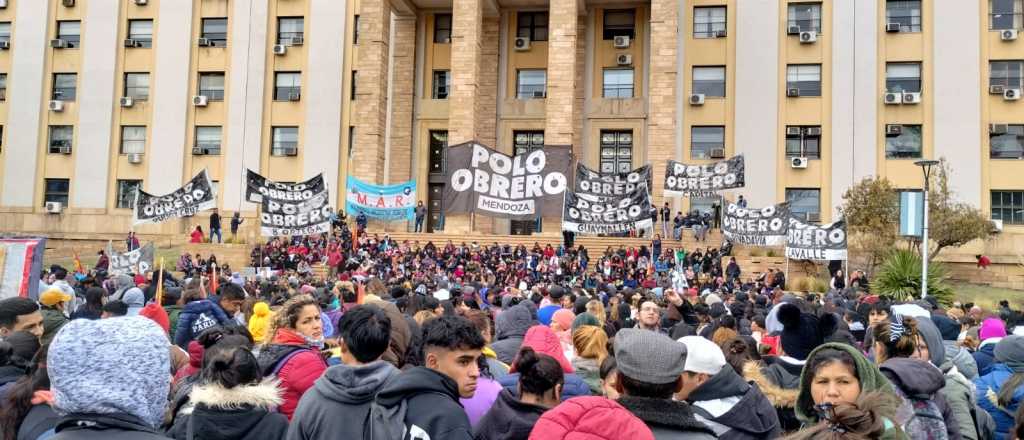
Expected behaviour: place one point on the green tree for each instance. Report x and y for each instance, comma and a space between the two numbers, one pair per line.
871, 210
951, 223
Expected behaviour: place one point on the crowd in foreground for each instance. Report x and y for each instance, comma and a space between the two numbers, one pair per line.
400, 341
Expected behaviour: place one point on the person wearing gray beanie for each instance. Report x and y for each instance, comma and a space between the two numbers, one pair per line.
1001, 390
110, 379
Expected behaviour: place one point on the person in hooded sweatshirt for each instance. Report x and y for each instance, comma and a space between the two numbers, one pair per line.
991, 332
429, 395
1001, 391
205, 313
542, 339
232, 402
109, 379
720, 398
958, 390
512, 418
959, 356
338, 405
510, 327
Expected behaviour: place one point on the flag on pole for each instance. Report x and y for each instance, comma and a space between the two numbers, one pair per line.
78, 265
214, 283
160, 284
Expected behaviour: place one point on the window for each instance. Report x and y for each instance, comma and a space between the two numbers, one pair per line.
126, 192
289, 28
443, 28
288, 86
804, 203
60, 138
355, 29
903, 77
133, 139
905, 12
1008, 206
215, 30
442, 80
70, 32
704, 205
136, 85
616, 151
211, 85
906, 145
709, 81
805, 15
56, 190
806, 78
1009, 145
208, 139
64, 86
533, 25
531, 83
1005, 14
619, 22
438, 143
5, 31
285, 139
3, 86
618, 83
141, 31
526, 141
708, 21
353, 97
704, 140
806, 143
1005, 73
351, 139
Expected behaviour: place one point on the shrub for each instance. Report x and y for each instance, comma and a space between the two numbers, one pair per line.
756, 252
819, 285
899, 276
771, 253
801, 284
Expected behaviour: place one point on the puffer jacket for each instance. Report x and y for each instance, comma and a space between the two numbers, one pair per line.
510, 327
734, 409
592, 418
297, 372
986, 389
780, 383
196, 317
985, 355
240, 413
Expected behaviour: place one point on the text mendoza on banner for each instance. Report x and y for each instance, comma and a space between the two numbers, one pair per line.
591, 182
256, 186
385, 202
138, 261
197, 195
607, 215
814, 242
296, 213
479, 179
767, 226
704, 180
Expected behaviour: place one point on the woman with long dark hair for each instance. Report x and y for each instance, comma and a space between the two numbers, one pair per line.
540, 389
93, 307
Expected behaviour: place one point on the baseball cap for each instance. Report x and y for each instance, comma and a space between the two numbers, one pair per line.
53, 297
702, 355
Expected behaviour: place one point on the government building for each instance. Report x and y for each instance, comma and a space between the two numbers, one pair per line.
98, 97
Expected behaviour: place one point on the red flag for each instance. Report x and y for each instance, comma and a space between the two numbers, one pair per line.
214, 282
78, 265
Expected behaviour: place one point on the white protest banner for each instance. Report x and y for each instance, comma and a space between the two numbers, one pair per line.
703, 180
587, 214
816, 242
767, 226
591, 182
197, 195
256, 186
138, 261
302, 213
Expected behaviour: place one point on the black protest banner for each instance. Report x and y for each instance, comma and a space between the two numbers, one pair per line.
593, 183
296, 213
816, 242
703, 180
197, 195
520, 187
767, 226
256, 186
138, 261
588, 214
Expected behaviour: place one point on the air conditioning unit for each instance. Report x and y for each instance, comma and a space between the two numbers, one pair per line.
813, 217
3, 4
280, 49
127, 101
792, 131
721, 33
53, 207
135, 158
1008, 34
64, 149
57, 43
997, 226
718, 153
808, 37
198, 151
293, 96
892, 27
205, 42
812, 131
892, 98
5, 44
996, 90
998, 128
141, 2
793, 30
68, 3
893, 129
798, 162
293, 41
56, 106
697, 99
522, 44
200, 100
290, 151
624, 59
1011, 94
621, 41
793, 92
131, 43
911, 97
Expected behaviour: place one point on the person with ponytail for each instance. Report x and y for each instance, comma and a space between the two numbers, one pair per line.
232, 401
591, 344
26, 410
864, 419
292, 351
1001, 391
923, 412
540, 388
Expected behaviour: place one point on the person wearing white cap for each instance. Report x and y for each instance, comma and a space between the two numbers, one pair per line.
721, 398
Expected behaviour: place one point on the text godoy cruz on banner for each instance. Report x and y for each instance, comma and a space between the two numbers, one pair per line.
767, 226
384, 202
197, 195
301, 213
703, 180
607, 215
256, 186
814, 242
137, 261
523, 187
591, 182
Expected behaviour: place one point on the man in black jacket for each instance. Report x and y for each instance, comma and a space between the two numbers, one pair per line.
215, 226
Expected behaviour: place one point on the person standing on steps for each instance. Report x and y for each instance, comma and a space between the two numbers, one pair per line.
666, 217
421, 214
215, 226
236, 221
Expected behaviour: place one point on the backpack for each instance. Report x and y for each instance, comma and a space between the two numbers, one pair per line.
921, 419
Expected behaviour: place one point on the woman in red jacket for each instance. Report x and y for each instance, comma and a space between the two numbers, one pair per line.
293, 352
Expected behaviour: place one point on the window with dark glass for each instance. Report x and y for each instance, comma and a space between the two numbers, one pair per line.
1008, 206
619, 22
215, 30
141, 31
704, 140
905, 12
903, 77
708, 21
126, 191
355, 29
443, 28
806, 143
64, 86
438, 142
804, 77
354, 77
284, 139
136, 86
709, 81
1005, 73
618, 83
56, 190
133, 139
70, 31
531, 84
289, 29
211, 85
208, 139
288, 86
1008, 143
804, 202
1005, 14
533, 25
616, 151
60, 138
525, 141
441, 84
3, 86
5, 31
805, 15
906, 145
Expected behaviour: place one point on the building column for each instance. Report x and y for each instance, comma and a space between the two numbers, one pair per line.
371, 91
245, 101
170, 97
322, 137
661, 118
757, 98
403, 63
560, 115
464, 99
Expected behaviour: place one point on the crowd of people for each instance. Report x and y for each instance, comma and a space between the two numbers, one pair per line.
403, 340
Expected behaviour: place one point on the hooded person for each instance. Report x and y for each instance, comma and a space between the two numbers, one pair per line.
135, 298
720, 398
991, 332
109, 379
958, 390
594, 418
510, 327
1000, 392
259, 323
196, 317
121, 284
544, 340
53, 302
960, 357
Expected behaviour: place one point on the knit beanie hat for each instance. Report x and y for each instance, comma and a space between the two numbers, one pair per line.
800, 332
948, 328
563, 318
992, 328
544, 340
1010, 351
158, 315
111, 366
585, 319
259, 323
